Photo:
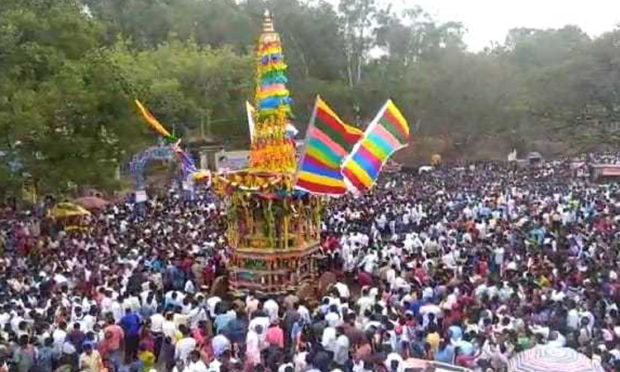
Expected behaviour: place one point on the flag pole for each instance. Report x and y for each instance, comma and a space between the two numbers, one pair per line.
303, 151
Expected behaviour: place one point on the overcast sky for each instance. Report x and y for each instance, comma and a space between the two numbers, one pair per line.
490, 20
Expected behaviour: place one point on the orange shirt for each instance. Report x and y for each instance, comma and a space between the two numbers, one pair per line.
113, 342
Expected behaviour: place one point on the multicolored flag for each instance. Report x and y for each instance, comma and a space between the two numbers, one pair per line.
328, 142
386, 134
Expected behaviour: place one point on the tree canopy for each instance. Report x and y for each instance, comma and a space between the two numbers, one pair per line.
70, 69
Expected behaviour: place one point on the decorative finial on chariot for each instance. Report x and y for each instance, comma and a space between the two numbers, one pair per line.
267, 22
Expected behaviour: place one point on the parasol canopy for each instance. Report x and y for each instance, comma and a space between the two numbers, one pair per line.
552, 359
91, 202
202, 175
64, 210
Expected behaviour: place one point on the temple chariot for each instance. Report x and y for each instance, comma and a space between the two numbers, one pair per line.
273, 230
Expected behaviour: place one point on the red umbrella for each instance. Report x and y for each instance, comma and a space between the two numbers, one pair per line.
91, 202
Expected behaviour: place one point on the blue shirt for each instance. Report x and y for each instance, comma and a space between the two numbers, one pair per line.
131, 324
455, 332
466, 347
222, 320
446, 355
415, 307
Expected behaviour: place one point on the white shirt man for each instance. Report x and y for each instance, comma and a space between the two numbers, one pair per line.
264, 322
59, 337
5, 317
132, 303
197, 366
382, 221
116, 310
169, 329
341, 354
183, 348
499, 256
196, 315
88, 322
365, 302
15, 321
369, 262
427, 309
211, 302
328, 340
333, 319
343, 290
253, 345
394, 359
271, 307
157, 321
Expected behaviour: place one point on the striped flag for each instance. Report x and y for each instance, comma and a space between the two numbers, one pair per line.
328, 142
388, 133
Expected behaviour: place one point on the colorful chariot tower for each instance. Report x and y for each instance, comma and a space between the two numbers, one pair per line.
273, 230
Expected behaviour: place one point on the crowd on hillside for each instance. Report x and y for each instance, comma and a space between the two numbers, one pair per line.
463, 266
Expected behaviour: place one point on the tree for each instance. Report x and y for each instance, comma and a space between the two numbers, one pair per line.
358, 17
70, 69
185, 84
49, 72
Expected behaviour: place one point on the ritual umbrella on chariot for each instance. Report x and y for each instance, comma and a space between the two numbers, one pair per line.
69, 215
91, 203
552, 359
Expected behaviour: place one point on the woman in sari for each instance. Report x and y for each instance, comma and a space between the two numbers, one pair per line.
202, 334
146, 339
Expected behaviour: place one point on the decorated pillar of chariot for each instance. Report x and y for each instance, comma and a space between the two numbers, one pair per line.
273, 230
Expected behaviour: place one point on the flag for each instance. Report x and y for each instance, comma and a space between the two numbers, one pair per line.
386, 134
291, 131
328, 142
154, 123
512, 156
250, 112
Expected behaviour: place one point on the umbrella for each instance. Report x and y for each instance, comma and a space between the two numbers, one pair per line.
91, 202
64, 210
417, 364
552, 359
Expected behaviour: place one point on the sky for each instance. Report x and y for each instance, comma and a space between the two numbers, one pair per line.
488, 21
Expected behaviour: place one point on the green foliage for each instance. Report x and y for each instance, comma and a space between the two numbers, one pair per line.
184, 83
69, 74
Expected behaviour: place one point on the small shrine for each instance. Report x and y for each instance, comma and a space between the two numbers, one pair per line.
204, 150
273, 230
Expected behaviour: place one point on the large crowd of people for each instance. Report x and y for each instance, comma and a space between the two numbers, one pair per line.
462, 266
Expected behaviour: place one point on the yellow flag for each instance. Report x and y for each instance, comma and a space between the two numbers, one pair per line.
152, 121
